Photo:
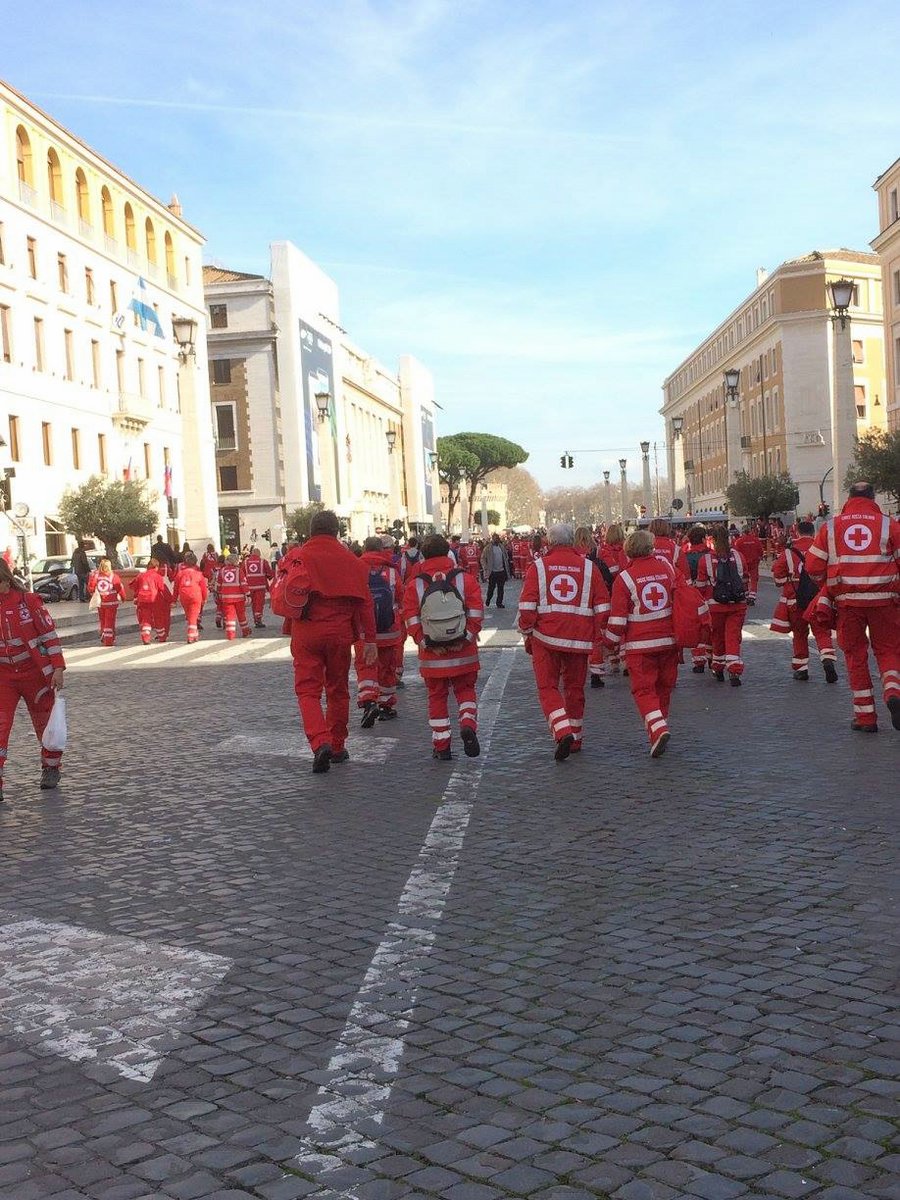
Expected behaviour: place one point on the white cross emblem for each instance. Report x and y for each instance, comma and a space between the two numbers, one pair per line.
654, 596
563, 588
858, 537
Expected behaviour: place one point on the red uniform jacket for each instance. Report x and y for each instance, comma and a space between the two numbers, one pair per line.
857, 555
231, 582
706, 578
147, 586
458, 658
28, 638
258, 573
564, 601
665, 548
340, 603
190, 584
751, 548
613, 556
381, 560
110, 587
640, 618
785, 573
208, 564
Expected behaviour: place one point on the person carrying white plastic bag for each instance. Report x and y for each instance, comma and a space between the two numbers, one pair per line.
31, 668
56, 730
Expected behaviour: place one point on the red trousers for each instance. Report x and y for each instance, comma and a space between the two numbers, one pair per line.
234, 613
800, 630
702, 652
322, 664
162, 619
376, 684
753, 581
727, 625
883, 628
560, 679
32, 687
439, 687
192, 609
653, 675
145, 616
258, 603
106, 614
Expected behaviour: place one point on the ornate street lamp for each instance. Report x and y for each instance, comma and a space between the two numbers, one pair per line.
184, 330
391, 438
732, 385
677, 426
841, 298
323, 399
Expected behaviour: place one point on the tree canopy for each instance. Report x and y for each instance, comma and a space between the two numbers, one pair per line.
762, 496
877, 460
490, 452
454, 464
524, 499
109, 510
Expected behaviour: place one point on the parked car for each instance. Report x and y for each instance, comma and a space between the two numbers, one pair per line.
53, 578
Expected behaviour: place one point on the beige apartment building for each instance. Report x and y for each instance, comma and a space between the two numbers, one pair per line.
806, 385
887, 247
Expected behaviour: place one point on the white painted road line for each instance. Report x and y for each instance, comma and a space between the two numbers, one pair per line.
371, 749
100, 999
365, 1063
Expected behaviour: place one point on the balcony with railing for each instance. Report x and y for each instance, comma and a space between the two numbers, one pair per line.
132, 412
85, 228
58, 214
110, 245
27, 194
134, 259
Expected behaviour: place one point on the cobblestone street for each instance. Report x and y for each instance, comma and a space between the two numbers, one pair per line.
222, 976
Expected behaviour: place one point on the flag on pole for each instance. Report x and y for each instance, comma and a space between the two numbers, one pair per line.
145, 311
167, 485
127, 472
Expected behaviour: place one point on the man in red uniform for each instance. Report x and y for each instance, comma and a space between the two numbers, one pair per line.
377, 682
751, 549
562, 613
259, 575
789, 619
191, 590
857, 555
450, 665
640, 622
470, 558
231, 589
339, 613
146, 589
727, 613
209, 562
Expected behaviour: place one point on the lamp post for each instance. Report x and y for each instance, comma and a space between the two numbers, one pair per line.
607, 499
623, 484
484, 513
648, 488
843, 401
323, 400
732, 385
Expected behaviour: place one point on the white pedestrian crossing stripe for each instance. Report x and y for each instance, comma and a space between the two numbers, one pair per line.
371, 749
113, 1002
156, 656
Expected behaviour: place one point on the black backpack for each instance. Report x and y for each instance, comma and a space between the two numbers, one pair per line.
729, 586
805, 587
383, 601
608, 577
693, 557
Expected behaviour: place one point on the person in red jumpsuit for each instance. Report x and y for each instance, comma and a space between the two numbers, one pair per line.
339, 613
259, 576
470, 558
664, 545
146, 589
604, 658
751, 548
856, 554
377, 682
562, 613
727, 617
789, 619
640, 623
209, 562
162, 609
191, 591
453, 666
691, 552
31, 668
108, 586
231, 589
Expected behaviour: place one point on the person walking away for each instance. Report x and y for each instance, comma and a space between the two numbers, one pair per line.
410, 559
604, 659
377, 682
191, 591
259, 576
443, 613
209, 562
722, 579
163, 552
162, 609
562, 614
146, 589
789, 617
751, 548
640, 624
110, 590
664, 545
856, 554
495, 569
689, 560
31, 668
82, 568
231, 589
584, 543
337, 612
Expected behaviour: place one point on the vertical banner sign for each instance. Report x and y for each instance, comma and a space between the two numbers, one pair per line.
317, 373
428, 448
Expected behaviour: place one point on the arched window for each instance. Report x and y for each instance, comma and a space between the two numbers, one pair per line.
23, 157
82, 198
170, 257
150, 238
130, 238
109, 227
54, 177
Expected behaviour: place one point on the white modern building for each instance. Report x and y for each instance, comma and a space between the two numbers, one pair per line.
302, 414
93, 270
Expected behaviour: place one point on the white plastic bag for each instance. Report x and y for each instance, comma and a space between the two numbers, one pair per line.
56, 732
95, 602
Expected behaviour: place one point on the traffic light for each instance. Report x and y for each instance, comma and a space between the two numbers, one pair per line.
571, 462
566, 461
562, 461
6, 489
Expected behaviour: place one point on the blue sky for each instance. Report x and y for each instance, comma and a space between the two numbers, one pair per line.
548, 204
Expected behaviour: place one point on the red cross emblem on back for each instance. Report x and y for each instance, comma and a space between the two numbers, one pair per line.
858, 537
563, 588
654, 596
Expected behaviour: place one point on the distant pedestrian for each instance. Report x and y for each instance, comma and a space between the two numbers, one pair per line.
108, 587
82, 568
191, 591
495, 569
722, 580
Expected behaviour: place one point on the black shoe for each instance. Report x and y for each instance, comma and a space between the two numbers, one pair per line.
471, 744
49, 778
894, 709
564, 747
831, 675
370, 715
698, 670
720, 675
386, 714
624, 672
735, 680
442, 755
858, 727
322, 760
802, 676
751, 603
258, 625
658, 749
597, 682
340, 756
501, 606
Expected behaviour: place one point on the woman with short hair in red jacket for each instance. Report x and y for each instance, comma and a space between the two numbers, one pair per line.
726, 615
110, 589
